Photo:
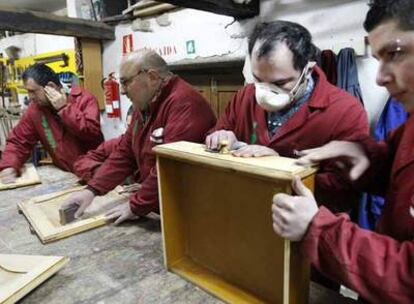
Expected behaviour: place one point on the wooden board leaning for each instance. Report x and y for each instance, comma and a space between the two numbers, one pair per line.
20, 274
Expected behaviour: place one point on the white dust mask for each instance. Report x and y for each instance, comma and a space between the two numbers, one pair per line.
272, 98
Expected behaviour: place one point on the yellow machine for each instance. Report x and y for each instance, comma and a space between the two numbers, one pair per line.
59, 61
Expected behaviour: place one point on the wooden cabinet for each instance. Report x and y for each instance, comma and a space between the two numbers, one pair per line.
217, 226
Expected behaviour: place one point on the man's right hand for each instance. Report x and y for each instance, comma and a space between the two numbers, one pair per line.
82, 199
214, 139
8, 175
350, 150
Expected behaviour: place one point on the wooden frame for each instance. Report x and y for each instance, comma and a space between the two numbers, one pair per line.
28, 177
42, 212
217, 227
20, 274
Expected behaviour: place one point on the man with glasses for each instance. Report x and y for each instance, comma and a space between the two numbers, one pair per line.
167, 109
66, 123
378, 265
290, 107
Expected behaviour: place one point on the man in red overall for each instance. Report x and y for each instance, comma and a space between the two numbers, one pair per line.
67, 125
378, 265
167, 109
290, 107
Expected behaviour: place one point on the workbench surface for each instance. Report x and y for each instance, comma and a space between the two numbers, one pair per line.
109, 264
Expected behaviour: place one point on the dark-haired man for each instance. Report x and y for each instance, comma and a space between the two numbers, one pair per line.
378, 265
291, 107
67, 125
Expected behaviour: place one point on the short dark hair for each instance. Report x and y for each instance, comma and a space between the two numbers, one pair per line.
297, 38
380, 11
42, 74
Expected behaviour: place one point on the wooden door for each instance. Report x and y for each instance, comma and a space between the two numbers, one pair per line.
217, 86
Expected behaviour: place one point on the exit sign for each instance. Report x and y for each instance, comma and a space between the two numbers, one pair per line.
190, 47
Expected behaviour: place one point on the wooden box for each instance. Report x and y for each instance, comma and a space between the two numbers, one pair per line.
28, 177
20, 274
42, 212
217, 225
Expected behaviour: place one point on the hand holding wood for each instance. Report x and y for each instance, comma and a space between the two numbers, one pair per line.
82, 199
291, 214
351, 151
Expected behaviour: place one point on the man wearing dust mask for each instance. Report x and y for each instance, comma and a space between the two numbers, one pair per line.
273, 98
290, 106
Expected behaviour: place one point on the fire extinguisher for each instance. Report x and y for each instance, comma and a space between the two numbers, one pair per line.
112, 102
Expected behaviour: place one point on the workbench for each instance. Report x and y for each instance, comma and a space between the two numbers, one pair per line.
122, 264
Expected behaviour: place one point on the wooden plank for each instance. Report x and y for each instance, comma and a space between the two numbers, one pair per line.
221, 7
138, 6
274, 167
20, 274
29, 177
217, 227
42, 212
153, 10
45, 23
92, 69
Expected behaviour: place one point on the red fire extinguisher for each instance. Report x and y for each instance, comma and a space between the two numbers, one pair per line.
112, 102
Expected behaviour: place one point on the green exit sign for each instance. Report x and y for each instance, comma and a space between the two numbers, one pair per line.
190, 47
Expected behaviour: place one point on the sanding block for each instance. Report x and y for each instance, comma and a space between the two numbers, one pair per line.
67, 214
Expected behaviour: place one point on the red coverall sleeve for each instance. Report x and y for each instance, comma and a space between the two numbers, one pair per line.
82, 117
350, 126
20, 144
376, 266
381, 154
183, 123
87, 164
120, 164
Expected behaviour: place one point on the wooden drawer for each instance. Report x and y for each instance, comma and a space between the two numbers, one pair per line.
217, 226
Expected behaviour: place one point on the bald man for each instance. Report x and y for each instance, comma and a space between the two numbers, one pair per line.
167, 109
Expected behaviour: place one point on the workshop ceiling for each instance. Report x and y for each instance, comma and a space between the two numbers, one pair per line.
34, 5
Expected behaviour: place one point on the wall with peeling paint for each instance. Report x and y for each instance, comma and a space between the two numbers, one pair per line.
192, 34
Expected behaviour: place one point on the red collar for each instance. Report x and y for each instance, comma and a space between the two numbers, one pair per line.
75, 91
161, 94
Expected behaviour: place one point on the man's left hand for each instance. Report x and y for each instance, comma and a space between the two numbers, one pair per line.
121, 213
292, 215
57, 98
254, 151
